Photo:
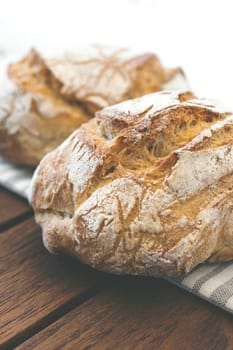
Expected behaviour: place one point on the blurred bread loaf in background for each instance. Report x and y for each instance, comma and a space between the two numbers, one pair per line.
53, 95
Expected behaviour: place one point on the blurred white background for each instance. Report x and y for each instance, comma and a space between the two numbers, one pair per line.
194, 34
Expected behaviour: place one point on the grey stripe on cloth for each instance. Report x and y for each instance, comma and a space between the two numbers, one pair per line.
197, 274
198, 284
222, 294
210, 281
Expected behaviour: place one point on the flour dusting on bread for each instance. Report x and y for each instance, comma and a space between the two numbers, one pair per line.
143, 188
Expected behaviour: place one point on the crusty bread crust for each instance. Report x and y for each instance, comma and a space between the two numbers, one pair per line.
51, 97
144, 188
34, 118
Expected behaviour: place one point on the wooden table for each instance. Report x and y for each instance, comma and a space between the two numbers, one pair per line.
52, 302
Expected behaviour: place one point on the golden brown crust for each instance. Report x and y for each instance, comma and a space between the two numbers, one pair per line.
143, 188
53, 97
30, 125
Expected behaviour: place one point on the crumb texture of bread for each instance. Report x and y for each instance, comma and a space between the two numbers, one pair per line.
144, 188
52, 95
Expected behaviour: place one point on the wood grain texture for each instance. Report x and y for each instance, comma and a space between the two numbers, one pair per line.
11, 208
49, 302
139, 314
35, 285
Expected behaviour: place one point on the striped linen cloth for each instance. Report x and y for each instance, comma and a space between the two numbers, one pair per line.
212, 282
15, 178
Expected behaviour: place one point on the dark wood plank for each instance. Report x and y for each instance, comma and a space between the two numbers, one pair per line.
35, 286
11, 208
139, 314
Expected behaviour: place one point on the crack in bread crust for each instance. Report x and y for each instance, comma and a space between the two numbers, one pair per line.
134, 210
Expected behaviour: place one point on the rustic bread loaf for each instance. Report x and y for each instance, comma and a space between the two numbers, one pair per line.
51, 97
144, 188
